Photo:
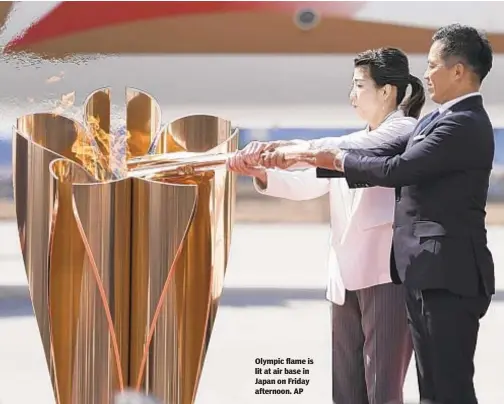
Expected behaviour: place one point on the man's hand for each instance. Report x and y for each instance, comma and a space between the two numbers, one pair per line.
330, 159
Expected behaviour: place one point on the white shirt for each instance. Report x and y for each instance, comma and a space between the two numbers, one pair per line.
361, 219
447, 105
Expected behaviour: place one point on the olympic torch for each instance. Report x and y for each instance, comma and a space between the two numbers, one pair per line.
125, 269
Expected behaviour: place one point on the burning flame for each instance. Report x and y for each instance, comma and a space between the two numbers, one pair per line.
109, 154
67, 101
103, 155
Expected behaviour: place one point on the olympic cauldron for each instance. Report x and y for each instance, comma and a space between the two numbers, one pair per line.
125, 242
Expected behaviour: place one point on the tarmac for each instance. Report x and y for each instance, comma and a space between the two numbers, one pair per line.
273, 308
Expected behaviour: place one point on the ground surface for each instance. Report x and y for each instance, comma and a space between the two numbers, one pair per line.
272, 307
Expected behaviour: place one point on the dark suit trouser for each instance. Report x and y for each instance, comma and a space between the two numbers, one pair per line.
444, 328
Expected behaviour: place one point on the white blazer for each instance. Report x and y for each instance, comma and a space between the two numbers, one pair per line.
361, 219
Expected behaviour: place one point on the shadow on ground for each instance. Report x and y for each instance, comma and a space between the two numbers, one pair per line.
15, 300
243, 297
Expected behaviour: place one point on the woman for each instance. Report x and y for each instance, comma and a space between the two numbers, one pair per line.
371, 343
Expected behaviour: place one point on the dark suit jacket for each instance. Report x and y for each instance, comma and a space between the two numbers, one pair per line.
441, 183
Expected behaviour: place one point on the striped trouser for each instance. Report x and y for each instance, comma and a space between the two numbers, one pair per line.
371, 346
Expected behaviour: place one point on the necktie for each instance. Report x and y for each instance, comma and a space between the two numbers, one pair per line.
422, 125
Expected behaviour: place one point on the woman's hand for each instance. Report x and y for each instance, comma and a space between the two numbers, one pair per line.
248, 160
238, 164
251, 153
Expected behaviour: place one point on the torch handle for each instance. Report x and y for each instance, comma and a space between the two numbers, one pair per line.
185, 163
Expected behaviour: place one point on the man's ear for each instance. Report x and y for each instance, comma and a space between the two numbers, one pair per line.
459, 70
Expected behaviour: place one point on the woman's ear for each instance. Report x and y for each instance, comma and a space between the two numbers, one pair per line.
387, 91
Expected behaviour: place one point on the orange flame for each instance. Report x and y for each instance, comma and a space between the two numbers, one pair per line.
94, 150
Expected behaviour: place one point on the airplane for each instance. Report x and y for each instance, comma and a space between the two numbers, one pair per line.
275, 69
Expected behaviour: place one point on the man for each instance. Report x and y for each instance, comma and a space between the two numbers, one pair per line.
441, 176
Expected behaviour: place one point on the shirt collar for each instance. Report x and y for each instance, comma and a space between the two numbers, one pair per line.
447, 105
394, 114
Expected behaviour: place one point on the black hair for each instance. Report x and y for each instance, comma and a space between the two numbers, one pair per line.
466, 45
391, 66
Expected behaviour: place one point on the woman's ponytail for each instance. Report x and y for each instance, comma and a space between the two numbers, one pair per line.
413, 105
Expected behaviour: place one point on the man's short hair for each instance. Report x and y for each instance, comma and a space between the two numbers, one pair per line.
470, 46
